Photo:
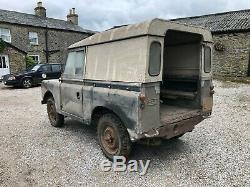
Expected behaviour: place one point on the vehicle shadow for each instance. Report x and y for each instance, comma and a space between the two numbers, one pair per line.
3, 87
163, 152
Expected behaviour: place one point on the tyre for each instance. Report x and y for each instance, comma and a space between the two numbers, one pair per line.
27, 83
113, 136
56, 120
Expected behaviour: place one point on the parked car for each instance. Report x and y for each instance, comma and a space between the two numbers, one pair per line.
34, 76
147, 81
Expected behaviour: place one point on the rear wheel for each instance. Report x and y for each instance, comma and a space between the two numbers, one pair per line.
27, 83
113, 137
56, 119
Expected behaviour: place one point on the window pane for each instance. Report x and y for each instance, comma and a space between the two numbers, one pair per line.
46, 68
207, 59
3, 62
56, 68
33, 37
155, 59
74, 65
5, 34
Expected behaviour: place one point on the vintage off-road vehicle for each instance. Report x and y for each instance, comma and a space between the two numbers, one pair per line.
142, 81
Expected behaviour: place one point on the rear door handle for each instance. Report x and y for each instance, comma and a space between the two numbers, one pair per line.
78, 95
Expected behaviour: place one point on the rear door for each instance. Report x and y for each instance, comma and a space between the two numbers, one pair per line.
206, 78
43, 73
56, 71
71, 88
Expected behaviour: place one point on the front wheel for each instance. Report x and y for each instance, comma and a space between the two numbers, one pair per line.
27, 83
56, 119
113, 137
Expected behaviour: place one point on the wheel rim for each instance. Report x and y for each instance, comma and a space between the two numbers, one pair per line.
109, 140
51, 111
27, 83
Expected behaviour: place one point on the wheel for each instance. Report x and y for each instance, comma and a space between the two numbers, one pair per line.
113, 137
56, 120
27, 83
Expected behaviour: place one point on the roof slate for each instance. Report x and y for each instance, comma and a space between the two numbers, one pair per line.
221, 22
33, 20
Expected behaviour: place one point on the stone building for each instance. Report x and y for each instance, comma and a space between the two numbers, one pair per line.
231, 34
43, 39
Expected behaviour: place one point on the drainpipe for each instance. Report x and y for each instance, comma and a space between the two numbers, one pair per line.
46, 45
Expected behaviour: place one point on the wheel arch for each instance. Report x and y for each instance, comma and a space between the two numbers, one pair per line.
46, 96
27, 77
98, 111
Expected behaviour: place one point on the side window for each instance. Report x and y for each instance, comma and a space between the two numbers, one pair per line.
154, 59
56, 68
46, 68
207, 59
75, 65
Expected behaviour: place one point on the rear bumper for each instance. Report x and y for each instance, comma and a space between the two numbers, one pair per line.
167, 131
178, 128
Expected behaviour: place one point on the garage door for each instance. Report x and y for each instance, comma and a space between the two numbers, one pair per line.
4, 65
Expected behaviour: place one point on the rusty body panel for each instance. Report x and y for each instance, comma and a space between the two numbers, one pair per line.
116, 79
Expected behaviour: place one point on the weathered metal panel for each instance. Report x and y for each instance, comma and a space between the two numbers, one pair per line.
123, 61
156, 27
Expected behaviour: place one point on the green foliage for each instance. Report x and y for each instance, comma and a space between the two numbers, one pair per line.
29, 62
2, 45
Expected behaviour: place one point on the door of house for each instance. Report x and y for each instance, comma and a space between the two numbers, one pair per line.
4, 65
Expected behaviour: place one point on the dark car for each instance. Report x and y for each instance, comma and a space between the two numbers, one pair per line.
34, 76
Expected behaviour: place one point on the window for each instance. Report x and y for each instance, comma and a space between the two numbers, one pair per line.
56, 68
5, 35
207, 59
154, 59
33, 37
3, 62
35, 58
74, 65
46, 68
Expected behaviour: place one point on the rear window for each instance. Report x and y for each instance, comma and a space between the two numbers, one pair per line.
155, 59
207, 59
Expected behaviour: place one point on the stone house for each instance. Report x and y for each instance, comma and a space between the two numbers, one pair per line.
231, 34
43, 39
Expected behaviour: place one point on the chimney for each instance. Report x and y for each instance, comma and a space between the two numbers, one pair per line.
72, 16
40, 10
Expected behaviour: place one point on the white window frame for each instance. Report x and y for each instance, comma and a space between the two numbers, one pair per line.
33, 35
9, 34
38, 57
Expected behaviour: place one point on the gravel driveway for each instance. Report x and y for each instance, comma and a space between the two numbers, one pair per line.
33, 153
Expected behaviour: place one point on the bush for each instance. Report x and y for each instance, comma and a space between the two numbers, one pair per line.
29, 62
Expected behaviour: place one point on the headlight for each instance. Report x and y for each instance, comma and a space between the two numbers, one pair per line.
11, 78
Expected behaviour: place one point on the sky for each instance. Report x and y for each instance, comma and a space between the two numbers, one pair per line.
100, 15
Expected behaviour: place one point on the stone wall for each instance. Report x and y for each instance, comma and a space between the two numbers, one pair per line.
231, 54
58, 40
16, 59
